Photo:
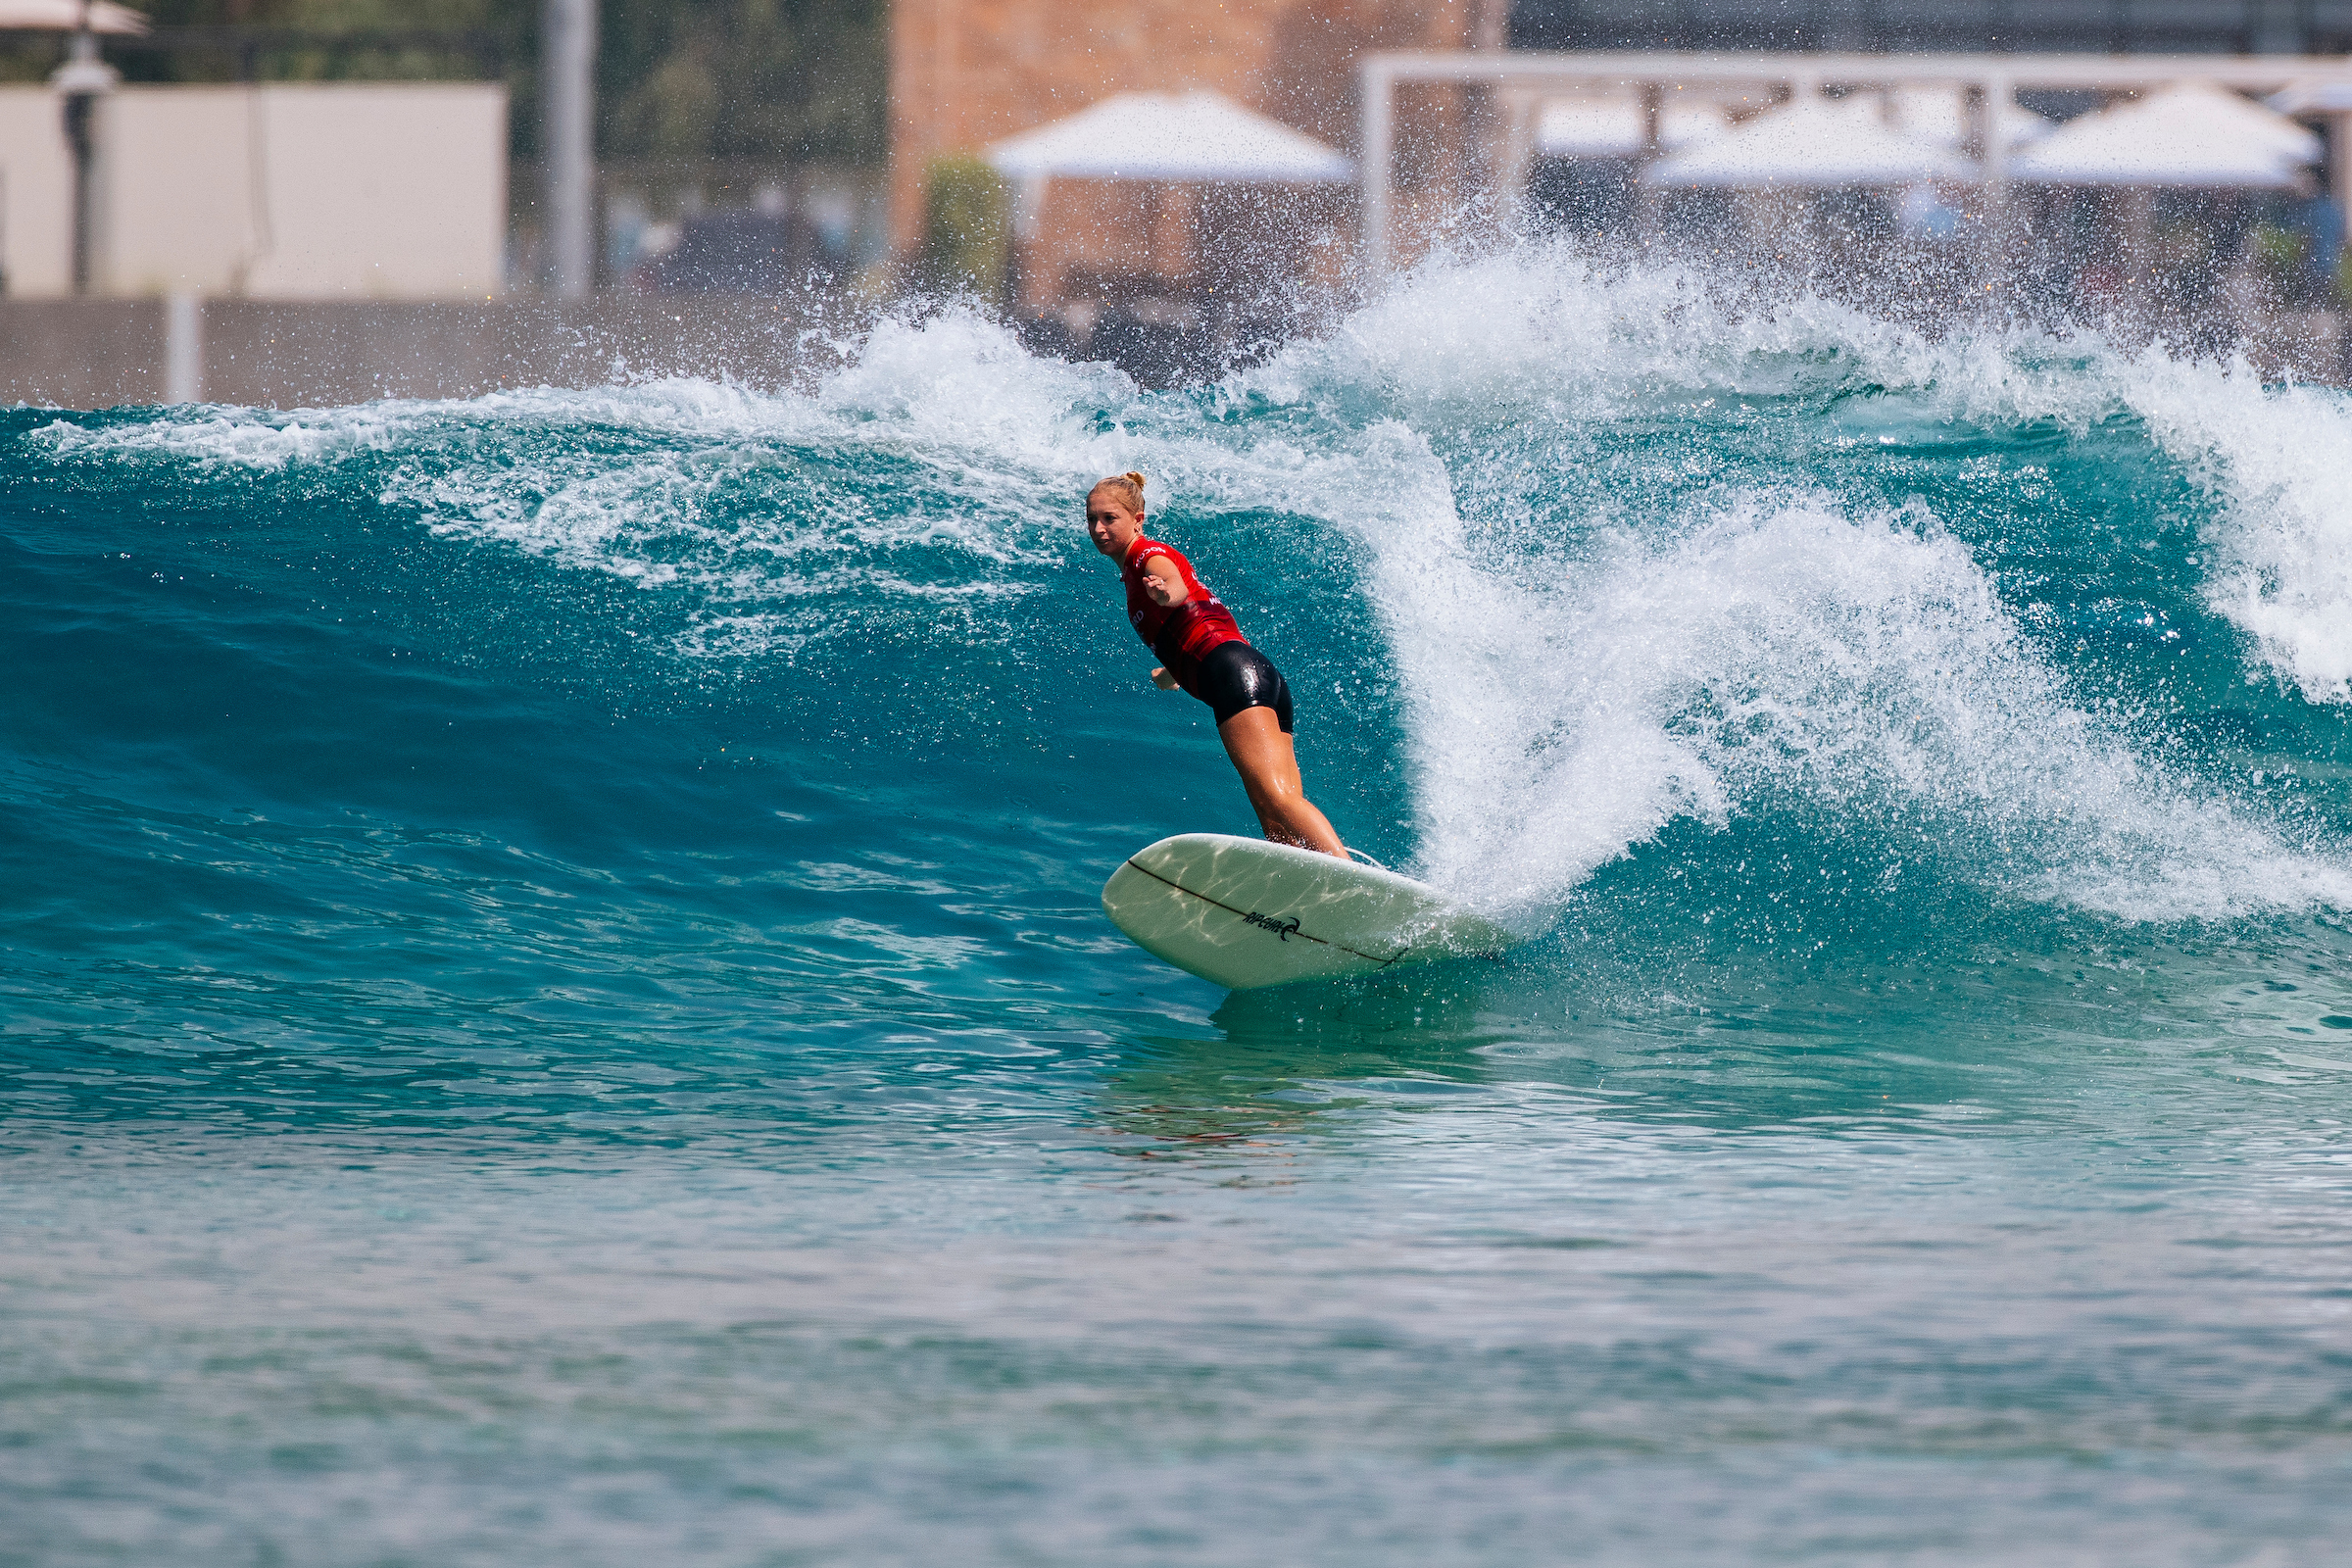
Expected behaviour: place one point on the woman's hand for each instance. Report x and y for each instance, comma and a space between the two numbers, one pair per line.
1164, 680
1163, 583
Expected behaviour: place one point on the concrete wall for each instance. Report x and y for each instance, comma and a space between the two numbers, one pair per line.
37, 194
90, 354
277, 192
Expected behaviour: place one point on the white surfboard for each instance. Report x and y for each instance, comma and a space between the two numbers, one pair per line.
1244, 913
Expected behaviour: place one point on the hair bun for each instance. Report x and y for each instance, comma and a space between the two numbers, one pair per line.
1129, 484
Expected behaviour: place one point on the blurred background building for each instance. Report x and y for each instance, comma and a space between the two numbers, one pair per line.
2118, 26
1197, 184
1160, 183
773, 109
1040, 157
283, 190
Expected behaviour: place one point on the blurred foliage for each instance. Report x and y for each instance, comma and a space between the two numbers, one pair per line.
786, 80
967, 229
2280, 254
745, 79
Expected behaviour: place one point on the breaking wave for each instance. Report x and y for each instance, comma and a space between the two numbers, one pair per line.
1634, 554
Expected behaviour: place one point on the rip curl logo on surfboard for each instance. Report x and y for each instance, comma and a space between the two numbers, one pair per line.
1268, 922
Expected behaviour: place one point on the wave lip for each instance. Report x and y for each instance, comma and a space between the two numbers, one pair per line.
1778, 648
2277, 459
1542, 331
1782, 657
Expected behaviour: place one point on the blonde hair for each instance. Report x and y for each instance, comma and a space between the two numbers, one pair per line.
1129, 485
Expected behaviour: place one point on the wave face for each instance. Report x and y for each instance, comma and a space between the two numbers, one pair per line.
466, 858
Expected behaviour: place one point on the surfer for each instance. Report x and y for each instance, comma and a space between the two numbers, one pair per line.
1203, 651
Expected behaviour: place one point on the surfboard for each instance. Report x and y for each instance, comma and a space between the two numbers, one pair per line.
1244, 913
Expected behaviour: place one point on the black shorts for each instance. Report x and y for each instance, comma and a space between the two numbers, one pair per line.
1236, 675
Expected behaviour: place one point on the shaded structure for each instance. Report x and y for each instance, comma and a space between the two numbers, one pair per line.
1195, 137
1813, 142
2191, 135
1987, 88
69, 16
967, 76
1239, 183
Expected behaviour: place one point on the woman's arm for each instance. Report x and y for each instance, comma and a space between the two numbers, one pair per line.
1164, 584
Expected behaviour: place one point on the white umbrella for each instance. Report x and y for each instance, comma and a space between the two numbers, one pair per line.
1813, 142
2189, 134
2267, 127
1939, 114
65, 16
1196, 136
1612, 128
2312, 98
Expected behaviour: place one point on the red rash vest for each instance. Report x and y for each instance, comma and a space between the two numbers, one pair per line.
1181, 635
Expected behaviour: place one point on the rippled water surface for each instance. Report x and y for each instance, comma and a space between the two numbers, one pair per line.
552, 1005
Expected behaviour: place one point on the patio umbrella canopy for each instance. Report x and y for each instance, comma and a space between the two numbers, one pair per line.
1200, 137
2189, 134
65, 16
1612, 128
1939, 116
2314, 98
1813, 143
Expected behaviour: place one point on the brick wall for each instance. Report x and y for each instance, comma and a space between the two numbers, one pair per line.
967, 73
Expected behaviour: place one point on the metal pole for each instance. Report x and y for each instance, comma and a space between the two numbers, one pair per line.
183, 348
1520, 109
569, 83
1649, 203
2340, 160
1998, 97
1479, 170
80, 82
1372, 170
1543, 72
78, 106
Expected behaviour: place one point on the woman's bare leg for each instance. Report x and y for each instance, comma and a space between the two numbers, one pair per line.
1269, 768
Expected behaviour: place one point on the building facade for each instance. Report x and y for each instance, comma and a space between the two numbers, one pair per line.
2119, 27
276, 191
968, 73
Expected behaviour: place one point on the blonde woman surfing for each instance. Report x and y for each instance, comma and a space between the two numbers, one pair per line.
1203, 651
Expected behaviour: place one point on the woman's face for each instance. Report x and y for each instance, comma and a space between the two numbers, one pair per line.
1109, 524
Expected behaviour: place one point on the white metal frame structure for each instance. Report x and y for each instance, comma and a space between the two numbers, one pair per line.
1988, 78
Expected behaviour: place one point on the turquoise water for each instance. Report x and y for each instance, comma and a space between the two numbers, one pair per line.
556, 1009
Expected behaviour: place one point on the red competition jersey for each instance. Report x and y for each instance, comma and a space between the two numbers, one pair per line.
1181, 635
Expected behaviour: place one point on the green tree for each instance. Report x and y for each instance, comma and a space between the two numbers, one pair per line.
967, 229
773, 80
745, 79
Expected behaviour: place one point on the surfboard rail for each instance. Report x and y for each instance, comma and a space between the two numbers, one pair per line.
1245, 913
